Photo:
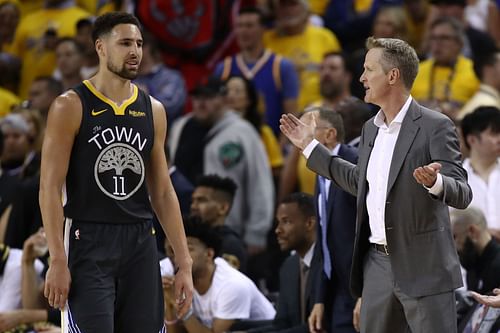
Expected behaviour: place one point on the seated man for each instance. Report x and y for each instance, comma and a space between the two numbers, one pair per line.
296, 231
212, 200
222, 295
479, 253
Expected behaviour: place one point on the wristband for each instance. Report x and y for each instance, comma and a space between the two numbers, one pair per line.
188, 314
171, 322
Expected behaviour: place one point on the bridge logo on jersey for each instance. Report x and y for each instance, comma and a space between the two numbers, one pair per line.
119, 171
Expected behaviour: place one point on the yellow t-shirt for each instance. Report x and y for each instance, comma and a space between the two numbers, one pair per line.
306, 177
7, 101
306, 51
272, 146
30, 45
30, 6
460, 89
318, 7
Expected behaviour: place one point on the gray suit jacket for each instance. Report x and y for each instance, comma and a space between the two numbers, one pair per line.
417, 225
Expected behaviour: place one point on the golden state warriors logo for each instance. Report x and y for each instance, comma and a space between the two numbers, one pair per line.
119, 171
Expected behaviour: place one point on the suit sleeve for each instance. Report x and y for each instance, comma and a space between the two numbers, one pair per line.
345, 174
445, 149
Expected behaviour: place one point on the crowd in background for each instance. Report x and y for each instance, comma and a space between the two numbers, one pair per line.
226, 71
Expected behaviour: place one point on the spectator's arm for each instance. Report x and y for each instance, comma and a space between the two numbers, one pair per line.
32, 289
193, 325
12, 319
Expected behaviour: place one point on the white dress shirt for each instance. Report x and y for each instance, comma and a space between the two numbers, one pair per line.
485, 195
378, 171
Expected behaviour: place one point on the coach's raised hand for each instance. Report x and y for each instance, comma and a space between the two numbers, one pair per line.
299, 132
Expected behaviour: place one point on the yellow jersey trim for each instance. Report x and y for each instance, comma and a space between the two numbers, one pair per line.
119, 110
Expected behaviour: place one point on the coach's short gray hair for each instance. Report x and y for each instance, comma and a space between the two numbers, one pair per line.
397, 53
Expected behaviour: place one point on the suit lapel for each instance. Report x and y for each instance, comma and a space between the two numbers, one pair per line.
407, 134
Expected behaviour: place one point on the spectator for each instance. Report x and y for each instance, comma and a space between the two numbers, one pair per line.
390, 22
305, 45
417, 12
487, 69
333, 303
183, 189
481, 133
194, 35
17, 144
11, 277
212, 201
334, 85
274, 77
214, 140
42, 93
447, 80
9, 16
9, 67
8, 189
242, 98
479, 253
475, 42
84, 38
342, 16
161, 82
69, 62
37, 35
296, 231
484, 16
222, 294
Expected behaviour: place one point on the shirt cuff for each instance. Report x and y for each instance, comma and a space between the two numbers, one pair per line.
310, 147
437, 188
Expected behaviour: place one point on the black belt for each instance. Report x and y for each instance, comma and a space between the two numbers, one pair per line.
381, 248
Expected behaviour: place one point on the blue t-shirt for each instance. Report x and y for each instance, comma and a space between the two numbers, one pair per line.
276, 81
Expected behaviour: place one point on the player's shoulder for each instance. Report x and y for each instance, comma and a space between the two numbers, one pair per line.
69, 100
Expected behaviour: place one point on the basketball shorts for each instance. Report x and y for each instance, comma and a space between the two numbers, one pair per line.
115, 279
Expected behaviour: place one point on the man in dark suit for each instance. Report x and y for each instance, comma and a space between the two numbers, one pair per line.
405, 264
336, 211
295, 231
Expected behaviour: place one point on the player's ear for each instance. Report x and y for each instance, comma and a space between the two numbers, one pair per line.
100, 47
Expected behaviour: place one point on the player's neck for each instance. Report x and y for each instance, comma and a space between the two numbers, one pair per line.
112, 86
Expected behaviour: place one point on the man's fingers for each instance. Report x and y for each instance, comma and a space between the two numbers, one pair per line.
310, 321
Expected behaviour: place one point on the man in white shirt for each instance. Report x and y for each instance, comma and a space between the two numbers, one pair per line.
405, 264
481, 132
223, 295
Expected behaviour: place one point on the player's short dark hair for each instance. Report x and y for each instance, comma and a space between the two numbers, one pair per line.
253, 10
483, 118
304, 201
105, 23
205, 233
226, 186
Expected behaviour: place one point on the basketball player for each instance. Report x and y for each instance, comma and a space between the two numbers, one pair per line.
104, 144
